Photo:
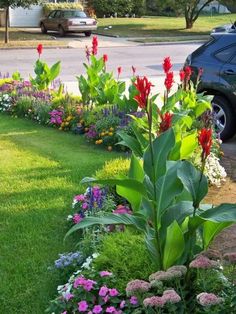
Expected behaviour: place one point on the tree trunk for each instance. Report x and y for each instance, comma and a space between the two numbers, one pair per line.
189, 23
6, 25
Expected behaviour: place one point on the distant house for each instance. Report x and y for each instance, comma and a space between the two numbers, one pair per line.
214, 7
20, 17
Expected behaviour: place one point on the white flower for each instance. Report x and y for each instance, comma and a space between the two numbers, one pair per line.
95, 255
69, 217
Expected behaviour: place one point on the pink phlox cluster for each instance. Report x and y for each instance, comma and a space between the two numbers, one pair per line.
105, 273
203, 262
154, 301
79, 198
171, 274
56, 117
136, 286
209, 299
171, 296
77, 218
87, 284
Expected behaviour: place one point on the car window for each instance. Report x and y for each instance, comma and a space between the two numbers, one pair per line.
73, 14
57, 15
225, 54
52, 14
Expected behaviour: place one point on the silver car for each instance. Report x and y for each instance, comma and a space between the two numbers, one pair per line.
65, 21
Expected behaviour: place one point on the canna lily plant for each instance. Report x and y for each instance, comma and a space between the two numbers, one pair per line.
164, 189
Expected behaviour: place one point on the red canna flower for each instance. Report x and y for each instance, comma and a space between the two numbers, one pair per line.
182, 75
166, 121
133, 70
105, 58
119, 69
205, 140
144, 88
167, 65
95, 45
188, 72
169, 80
40, 49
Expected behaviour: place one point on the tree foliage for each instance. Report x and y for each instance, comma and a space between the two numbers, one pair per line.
6, 4
189, 8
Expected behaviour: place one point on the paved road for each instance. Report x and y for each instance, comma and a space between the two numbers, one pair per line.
147, 59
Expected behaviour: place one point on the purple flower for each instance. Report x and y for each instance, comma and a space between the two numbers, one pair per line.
105, 273
122, 304
113, 292
97, 309
110, 309
82, 306
79, 198
103, 291
133, 300
77, 218
85, 206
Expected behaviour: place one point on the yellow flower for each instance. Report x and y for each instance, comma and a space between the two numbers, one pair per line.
111, 129
110, 133
109, 148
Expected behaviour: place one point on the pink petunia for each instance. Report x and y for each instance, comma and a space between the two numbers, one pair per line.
82, 306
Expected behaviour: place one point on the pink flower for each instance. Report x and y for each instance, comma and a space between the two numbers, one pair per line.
122, 304
171, 296
84, 205
65, 312
105, 273
121, 209
106, 298
133, 300
113, 292
67, 296
154, 301
110, 309
202, 262
82, 306
208, 299
79, 198
137, 286
88, 286
80, 281
77, 218
95, 45
97, 309
103, 291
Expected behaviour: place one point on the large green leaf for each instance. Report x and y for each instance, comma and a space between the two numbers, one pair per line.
194, 181
55, 70
131, 143
168, 187
152, 246
155, 166
174, 245
136, 169
188, 145
211, 229
140, 137
222, 213
137, 221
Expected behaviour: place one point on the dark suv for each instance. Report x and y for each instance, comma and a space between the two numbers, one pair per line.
217, 58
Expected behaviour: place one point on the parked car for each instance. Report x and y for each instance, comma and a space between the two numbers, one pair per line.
225, 28
65, 21
217, 58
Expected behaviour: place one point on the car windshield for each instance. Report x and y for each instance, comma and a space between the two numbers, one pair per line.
72, 14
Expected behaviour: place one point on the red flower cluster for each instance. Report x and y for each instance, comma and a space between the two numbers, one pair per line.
166, 121
182, 75
144, 88
95, 45
40, 49
188, 72
205, 140
167, 65
119, 69
105, 58
169, 80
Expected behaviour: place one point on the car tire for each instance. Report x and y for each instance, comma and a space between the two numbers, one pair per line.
43, 29
61, 31
224, 118
87, 34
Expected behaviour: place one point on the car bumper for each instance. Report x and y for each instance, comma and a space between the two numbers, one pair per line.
81, 28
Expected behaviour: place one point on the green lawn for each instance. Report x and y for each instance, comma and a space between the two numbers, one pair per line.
40, 170
161, 26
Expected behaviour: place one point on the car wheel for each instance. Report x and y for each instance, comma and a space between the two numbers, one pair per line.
224, 117
43, 29
61, 31
87, 34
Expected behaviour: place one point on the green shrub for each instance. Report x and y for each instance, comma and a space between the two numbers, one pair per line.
139, 8
114, 168
48, 7
125, 255
22, 106
110, 7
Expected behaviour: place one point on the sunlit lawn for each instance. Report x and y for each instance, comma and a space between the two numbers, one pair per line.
161, 26
40, 171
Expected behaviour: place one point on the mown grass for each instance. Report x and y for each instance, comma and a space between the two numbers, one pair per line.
161, 26
40, 170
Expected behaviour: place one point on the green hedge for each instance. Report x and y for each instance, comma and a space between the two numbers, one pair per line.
48, 7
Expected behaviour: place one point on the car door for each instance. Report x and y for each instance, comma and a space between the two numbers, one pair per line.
49, 22
227, 75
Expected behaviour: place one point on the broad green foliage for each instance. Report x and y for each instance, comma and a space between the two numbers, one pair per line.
99, 87
44, 74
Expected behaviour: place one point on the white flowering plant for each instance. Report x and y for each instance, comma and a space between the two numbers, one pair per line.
5, 102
